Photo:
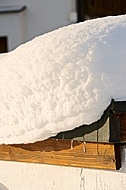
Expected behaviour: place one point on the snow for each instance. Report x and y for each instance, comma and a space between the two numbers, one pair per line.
62, 79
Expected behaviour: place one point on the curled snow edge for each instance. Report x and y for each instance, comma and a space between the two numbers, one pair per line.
62, 79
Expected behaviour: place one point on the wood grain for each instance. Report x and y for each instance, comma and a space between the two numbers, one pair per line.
64, 152
122, 118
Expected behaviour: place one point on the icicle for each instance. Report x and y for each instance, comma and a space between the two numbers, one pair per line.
63, 136
71, 144
84, 147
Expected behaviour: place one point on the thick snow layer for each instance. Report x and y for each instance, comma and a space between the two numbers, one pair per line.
61, 80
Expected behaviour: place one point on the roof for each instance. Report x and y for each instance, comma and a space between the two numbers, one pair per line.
67, 150
109, 128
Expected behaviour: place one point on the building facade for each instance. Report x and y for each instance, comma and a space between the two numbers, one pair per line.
21, 21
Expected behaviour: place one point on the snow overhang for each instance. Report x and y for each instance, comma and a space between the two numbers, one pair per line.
72, 148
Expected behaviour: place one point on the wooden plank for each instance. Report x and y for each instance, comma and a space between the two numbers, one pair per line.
114, 128
65, 152
92, 136
122, 118
118, 127
104, 131
118, 121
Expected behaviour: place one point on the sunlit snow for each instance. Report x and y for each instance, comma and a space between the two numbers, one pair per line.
61, 80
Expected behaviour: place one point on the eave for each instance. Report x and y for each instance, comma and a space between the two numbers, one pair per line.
71, 148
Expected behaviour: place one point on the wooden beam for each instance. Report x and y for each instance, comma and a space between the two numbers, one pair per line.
66, 153
122, 118
119, 119
118, 127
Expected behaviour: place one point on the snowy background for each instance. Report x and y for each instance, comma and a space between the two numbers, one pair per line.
61, 80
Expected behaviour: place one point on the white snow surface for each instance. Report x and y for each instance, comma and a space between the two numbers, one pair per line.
62, 79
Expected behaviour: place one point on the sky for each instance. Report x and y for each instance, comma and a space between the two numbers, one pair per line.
62, 79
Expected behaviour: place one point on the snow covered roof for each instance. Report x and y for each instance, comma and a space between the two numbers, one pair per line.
62, 79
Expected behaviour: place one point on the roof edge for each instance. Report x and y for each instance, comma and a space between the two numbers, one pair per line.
12, 9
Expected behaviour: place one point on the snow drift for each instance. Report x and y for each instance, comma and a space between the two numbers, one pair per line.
61, 80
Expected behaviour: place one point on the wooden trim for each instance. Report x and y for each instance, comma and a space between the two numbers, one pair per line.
118, 127
122, 119
66, 153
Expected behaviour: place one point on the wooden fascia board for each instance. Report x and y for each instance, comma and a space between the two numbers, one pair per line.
65, 153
